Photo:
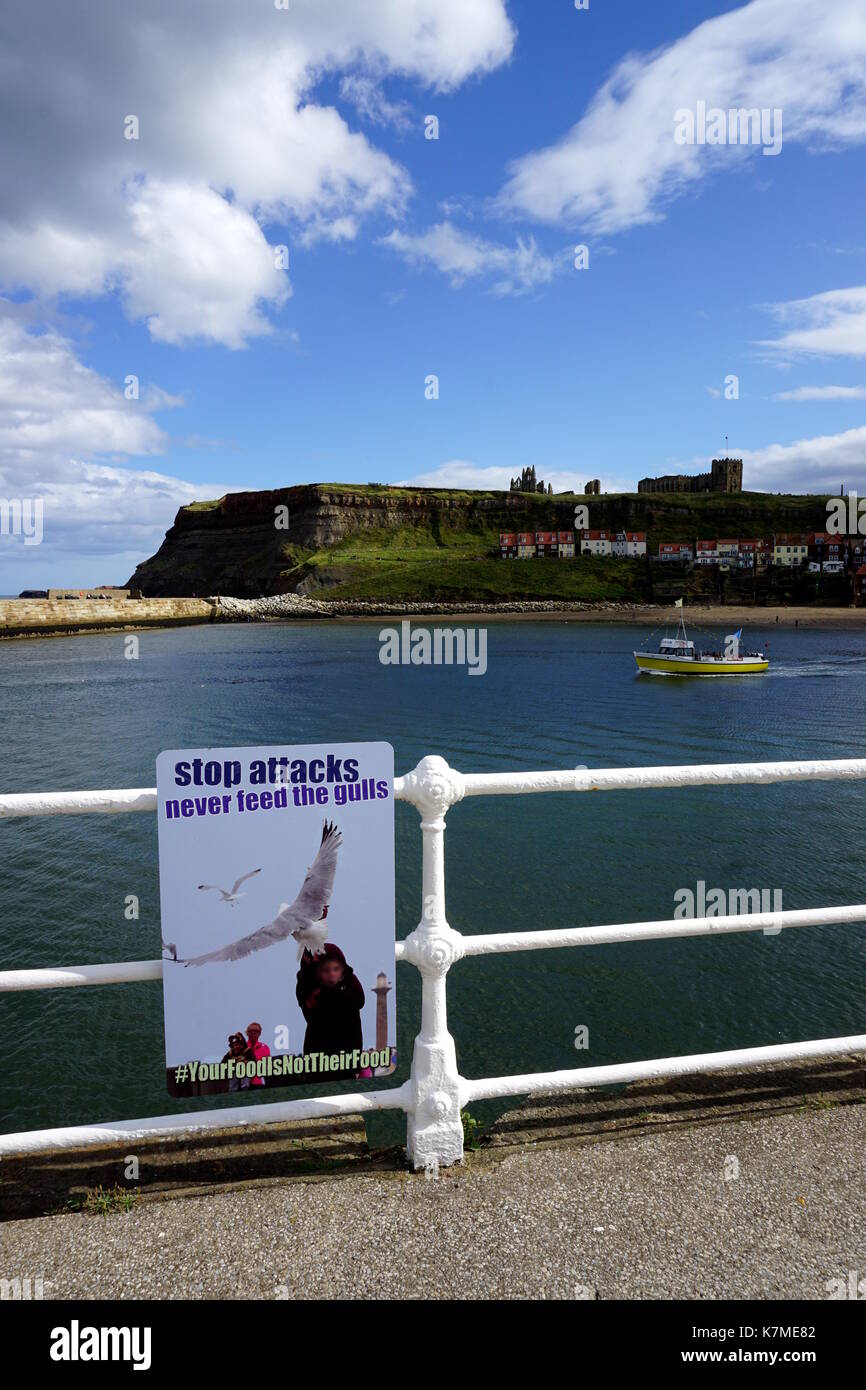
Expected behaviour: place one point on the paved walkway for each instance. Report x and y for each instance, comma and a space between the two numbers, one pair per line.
653, 1216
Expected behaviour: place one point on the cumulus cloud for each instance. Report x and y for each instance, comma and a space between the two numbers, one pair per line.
372, 105
491, 478
65, 432
809, 465
620, 165
818, 464
823, 393
461, 256
231, 139
832, 324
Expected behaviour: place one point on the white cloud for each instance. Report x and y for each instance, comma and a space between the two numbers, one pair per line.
827, 325
808, 465
366, 95
231, 138
50, 402
461, 256
461, 474
64, 432
620, 166
823, 393
199, 267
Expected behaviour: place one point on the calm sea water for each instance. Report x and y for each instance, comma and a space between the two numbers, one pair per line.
76, 714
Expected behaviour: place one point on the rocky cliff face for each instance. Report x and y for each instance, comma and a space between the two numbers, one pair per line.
235, 547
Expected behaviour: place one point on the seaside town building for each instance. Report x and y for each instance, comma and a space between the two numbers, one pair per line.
678, 551
754, 554
629, 544
790, 549
728, 552
827, 549
526, 545
596, 542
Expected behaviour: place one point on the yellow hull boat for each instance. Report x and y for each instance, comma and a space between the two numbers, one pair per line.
678, 656
700, 666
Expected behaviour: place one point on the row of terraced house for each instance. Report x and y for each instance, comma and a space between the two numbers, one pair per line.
819, 550
528, 545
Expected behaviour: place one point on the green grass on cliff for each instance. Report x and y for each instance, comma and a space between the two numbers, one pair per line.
452, 564
454, 577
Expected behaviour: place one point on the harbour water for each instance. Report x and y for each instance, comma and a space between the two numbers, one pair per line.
77, 714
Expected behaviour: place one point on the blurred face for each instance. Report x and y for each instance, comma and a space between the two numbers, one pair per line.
236, 1044
329, 972
254, 1032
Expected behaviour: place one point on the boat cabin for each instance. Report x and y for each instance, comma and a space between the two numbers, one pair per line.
676, 646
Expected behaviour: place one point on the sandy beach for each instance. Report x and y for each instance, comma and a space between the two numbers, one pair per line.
646, 615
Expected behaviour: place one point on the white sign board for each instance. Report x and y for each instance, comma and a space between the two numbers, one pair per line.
276, 869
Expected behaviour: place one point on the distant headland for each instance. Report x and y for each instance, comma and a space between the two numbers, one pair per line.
348, 541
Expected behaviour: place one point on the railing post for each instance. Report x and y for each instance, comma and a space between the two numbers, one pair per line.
434, 1128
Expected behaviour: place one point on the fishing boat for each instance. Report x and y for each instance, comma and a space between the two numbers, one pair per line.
678, 656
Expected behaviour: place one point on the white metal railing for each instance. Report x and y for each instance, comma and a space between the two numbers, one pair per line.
435, 1093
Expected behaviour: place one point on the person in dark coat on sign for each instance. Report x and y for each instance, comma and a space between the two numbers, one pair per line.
331, 998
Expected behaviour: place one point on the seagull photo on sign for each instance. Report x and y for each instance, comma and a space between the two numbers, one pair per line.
230, 895
304, 919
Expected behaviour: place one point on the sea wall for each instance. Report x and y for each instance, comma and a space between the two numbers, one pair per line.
26, 617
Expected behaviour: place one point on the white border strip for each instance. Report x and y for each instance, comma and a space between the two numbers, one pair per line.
771, 922
634, 778
488, 784
172, 1126
68, 976
132, 972
656, 1070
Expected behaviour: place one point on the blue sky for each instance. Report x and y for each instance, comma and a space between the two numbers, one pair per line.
410, 256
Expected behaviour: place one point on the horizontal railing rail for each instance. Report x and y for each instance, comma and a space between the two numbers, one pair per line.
436, 1093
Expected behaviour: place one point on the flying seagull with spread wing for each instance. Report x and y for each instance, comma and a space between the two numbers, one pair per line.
230, 895
304, 919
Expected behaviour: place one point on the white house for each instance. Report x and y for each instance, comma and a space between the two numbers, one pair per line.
596, 542
707, 553
628, 544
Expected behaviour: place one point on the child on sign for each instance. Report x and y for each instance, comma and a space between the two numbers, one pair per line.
331, 998
238, 1052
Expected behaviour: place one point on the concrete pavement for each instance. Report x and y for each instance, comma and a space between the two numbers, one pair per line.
769, 1207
